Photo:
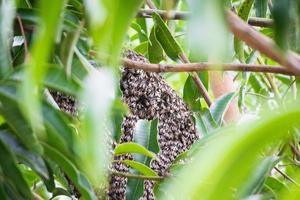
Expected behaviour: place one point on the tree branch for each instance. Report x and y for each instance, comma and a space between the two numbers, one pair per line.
194, 67
182, 15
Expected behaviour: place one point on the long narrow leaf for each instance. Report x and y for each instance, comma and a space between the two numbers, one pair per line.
131, 147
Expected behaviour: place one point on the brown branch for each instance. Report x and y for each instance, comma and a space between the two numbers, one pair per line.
183, 15
262, 43
194, 67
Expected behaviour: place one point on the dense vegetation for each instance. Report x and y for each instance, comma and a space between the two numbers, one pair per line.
233, 62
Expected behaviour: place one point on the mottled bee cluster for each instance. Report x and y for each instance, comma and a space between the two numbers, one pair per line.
65, 102
149, 97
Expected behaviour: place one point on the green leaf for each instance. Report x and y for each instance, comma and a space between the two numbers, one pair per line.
92, 145
7, 14
136, 186
141, 33
55, 78
143, 24
153, 145
67, 49
155, 51
31, 159
207, 31
245, 75
244, 9
191, 94
36, 69
110, 19
205, 122
60, 191
72, 172
11, 173
235, 149
281, 15
60, 133
140, 167
220, 106
243, 13
142, 48
9, 109
257, 179
165, 38
261, 7
275, 184
131, 147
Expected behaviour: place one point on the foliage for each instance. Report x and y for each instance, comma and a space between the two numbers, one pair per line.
75, 47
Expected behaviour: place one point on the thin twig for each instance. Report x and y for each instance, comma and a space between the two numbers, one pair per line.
135, 176
259, 95
183, 15
291, 86
286, 176
23, 34
194, 67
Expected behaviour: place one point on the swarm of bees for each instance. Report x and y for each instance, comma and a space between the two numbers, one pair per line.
149, 97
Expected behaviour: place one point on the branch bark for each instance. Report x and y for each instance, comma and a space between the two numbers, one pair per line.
194, 67
182, 15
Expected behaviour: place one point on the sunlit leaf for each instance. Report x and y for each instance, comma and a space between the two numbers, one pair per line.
205, 122
140, 167
220, 106
191, 94
110, 19
131, 147
165, 38
155, 51
36, 68
92, 144
207, 32
227, 150
243, 13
